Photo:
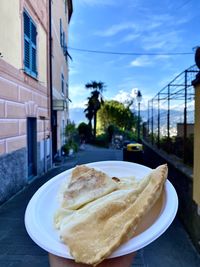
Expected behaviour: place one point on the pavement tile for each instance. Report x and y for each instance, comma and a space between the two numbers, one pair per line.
173, 248
139, 259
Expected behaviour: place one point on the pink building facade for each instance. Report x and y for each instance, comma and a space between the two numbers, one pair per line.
24, 94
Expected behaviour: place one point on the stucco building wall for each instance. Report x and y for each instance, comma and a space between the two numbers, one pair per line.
60, 24
22, 96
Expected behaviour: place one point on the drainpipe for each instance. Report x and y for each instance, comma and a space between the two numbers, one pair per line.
50, 80
45, 143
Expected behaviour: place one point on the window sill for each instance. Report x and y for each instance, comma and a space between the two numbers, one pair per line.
34, 77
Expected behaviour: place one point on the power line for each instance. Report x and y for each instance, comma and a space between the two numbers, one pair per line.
130, 53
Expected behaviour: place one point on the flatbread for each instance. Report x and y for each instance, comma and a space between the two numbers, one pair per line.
86, 185
93, 232
127, 182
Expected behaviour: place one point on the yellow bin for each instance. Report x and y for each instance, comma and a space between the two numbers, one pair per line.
134, 147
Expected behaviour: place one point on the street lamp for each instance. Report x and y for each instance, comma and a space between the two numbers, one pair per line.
139, 99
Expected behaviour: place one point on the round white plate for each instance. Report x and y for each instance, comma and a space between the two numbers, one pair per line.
42, 206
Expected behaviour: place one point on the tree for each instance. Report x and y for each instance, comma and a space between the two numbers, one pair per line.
116, 114
94, 102
89, 112
84, 131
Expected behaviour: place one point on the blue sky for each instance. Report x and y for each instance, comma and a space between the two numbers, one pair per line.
137, 26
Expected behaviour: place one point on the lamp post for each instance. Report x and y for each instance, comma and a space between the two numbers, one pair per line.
139, 99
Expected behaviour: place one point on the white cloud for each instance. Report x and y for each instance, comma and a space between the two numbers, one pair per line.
77, 103
78, 94
130, 37
117, 28
167, 40
145, 60
73, 71
124, 96
142, 61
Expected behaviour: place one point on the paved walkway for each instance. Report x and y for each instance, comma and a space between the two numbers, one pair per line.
173, 248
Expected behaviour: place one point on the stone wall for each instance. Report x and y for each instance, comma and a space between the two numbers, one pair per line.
14, 170
181, 177
13, 173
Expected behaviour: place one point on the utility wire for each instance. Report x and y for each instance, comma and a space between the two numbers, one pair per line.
130, 53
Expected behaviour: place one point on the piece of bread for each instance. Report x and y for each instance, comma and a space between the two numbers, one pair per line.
93, 232
86, 185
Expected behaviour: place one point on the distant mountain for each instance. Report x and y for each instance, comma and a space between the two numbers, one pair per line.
77, 115
175, 115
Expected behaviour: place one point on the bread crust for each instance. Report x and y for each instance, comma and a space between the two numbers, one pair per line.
93, 237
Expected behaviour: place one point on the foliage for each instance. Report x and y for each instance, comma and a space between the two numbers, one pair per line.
176, 146
89, 112
110, 132
94, 103
70, 129
129, 135
71, 144
101, 140
71, 136
84, 131
116, 114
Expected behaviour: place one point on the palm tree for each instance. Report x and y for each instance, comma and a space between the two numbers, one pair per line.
89, 113
94, 101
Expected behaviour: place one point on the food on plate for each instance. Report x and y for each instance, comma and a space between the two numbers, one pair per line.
86, 184
96, 229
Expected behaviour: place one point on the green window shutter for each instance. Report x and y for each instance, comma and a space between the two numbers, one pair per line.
33, 33
33, 49
26, 54
26, 42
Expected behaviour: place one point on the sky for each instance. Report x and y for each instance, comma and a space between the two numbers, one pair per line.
142, 27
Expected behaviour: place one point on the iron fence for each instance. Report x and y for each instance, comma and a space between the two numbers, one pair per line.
170, 121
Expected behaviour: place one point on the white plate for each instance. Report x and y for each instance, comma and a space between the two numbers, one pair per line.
42, 206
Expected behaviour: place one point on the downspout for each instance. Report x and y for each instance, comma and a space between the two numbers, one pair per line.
50, 79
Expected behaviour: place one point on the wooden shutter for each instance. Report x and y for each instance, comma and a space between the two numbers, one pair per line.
33, 49
26, 42
30, 51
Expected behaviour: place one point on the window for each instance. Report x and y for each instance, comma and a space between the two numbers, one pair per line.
62, 84
30, 46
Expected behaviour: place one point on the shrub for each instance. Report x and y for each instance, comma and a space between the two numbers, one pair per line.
84, 131
69, 145
101, 140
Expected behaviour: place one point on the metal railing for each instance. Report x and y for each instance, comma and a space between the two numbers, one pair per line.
171, 115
